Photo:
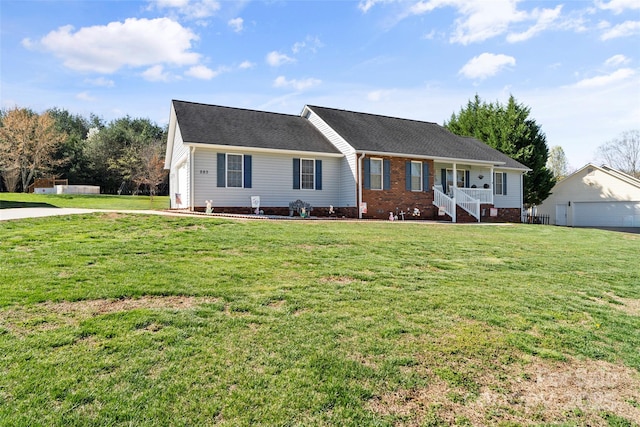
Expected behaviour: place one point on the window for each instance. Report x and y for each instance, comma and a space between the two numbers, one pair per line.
307, 174
416, 176
375, 174
500, 183
460, 178
234, 170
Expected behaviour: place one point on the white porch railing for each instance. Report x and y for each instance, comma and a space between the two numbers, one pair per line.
467, 202
481, 194
444, 202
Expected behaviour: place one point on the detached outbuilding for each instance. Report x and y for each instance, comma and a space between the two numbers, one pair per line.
594, 196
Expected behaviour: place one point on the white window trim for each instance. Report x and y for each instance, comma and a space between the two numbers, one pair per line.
495, 184
226, 159
313, 162
421, 175
381, 173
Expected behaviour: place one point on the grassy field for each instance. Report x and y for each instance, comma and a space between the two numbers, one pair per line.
112, 319
89, 201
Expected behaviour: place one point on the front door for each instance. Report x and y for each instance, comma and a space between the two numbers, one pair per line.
561, 214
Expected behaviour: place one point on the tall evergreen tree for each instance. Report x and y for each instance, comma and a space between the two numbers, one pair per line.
509, 129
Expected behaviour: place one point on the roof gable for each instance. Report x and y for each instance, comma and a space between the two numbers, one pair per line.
236, 127
587, 171
383, 134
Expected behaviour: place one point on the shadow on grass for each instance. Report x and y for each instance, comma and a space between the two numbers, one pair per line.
7, 204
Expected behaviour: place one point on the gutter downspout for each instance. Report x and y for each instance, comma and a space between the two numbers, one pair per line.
360, 184
191, 177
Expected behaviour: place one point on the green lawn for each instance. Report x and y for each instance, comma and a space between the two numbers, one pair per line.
90, 201
119, 320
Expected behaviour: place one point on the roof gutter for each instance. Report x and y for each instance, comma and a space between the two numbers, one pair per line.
237, 148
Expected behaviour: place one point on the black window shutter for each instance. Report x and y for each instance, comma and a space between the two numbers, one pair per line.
443, 178
386, 170
318, 174
467, 176
425, 176
222, 172
407, 175
504, 183
296, 174
366, 177
247, 171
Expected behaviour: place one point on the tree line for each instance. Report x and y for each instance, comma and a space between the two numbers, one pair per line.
126, 155
123, 156
510, 129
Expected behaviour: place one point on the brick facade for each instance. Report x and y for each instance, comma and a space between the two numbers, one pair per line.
398, 199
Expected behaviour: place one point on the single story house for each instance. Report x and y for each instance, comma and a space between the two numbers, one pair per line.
345, 163
594, 196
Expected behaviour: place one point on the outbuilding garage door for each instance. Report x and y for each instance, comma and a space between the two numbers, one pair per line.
606, 214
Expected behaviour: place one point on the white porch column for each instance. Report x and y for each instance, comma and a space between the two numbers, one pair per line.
455, 185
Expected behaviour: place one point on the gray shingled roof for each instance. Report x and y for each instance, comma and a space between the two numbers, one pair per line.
212, 124
371, 132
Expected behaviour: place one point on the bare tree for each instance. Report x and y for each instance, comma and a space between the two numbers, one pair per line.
623, 153
150, 166
28, 143
557, 162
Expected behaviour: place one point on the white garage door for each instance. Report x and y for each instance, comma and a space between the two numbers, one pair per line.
606, 214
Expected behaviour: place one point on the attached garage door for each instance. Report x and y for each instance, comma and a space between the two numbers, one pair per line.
606, 214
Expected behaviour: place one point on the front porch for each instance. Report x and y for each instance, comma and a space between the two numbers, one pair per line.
463, 190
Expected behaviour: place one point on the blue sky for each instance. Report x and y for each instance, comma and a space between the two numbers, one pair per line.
576, 64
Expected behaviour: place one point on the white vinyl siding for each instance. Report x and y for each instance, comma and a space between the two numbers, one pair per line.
348, 164
271, 180
513, 198
180, 172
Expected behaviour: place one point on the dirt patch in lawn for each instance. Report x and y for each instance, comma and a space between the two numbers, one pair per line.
105, 306
627, 305
586, 392
51, 315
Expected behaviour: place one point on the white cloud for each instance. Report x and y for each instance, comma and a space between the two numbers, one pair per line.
486, 65
276, 59
618, 6
202, 72
479, 20
195, 9
85, 96
246, 65
310, 43
616, 60
156, 74
100, 81
236, 24
545, 19
366, 5
299, 85
605, 80
133, 43
626, 29
378, 95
